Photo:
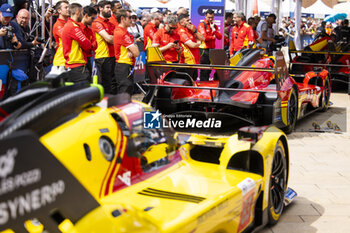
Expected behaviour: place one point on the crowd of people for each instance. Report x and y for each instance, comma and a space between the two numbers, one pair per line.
112, 35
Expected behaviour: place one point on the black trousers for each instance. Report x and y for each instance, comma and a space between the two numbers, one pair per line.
124, 77
78, 74
204, 74
89, 68
105, 67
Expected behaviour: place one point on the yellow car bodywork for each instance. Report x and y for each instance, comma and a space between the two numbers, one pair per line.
222, 203
188, 196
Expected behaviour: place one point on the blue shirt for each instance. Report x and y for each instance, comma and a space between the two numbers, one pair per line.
16, 31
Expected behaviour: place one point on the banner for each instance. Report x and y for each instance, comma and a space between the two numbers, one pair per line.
306, 40
198, 9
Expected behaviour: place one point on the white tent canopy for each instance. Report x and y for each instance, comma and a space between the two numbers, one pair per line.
343, 8
319, 9
171, 4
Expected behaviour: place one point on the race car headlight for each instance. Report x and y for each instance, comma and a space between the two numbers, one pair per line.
107, 148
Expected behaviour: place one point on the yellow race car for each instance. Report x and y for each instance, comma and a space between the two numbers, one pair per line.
73, 162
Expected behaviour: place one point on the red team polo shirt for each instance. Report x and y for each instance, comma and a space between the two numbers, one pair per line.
114, 21
91, 36
148, 34
190, 55
122, 41
209, 35
162, 37
104, 49
59, 60
75, 45
241, 36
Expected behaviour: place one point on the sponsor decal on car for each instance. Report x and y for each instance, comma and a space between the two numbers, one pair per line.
248, 192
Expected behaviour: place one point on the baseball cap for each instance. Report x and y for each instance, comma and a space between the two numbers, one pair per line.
133, 14
6, 10
154, 10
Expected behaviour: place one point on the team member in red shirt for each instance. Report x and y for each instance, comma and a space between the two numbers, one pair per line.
150, 30
210, 31
190, 40
125, 53
242, 34
168, 40
75, 45
62, 8
89, 14
104, 54
116, 5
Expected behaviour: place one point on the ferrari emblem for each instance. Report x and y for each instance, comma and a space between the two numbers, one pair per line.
125, 178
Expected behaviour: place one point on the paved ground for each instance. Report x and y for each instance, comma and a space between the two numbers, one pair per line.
320, 173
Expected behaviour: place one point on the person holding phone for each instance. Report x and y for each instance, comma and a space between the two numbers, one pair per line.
211, 33
167, 40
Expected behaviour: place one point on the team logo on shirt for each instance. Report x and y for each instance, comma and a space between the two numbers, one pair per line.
127, 39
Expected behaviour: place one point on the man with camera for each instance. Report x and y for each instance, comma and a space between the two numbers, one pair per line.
136, 31
10, 35
22, 20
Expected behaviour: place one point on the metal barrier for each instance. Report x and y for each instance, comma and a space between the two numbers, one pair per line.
18, 59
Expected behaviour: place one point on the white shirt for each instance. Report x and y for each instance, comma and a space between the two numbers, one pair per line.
262, 26
134, 30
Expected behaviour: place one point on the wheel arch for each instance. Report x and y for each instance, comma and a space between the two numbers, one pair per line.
283, 138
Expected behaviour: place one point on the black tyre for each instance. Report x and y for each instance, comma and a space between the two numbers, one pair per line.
326, 95
278, 184
163, 98
292, 113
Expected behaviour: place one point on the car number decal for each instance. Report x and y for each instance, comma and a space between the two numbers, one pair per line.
248, 192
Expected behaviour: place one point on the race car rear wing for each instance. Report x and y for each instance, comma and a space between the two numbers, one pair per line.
157, 66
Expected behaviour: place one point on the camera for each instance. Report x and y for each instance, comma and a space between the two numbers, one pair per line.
52, 11
39, 39
280, 41
137, 35
9, 34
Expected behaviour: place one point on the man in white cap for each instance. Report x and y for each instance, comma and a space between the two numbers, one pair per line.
135, 29
154, 10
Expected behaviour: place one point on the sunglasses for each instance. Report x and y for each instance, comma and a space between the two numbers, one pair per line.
172, 28
236, 35
133, 17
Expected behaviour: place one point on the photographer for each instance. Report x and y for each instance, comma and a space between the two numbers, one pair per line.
136, 31
22, 20
10, 35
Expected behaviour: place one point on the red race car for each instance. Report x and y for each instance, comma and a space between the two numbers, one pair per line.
251, 88
325, 54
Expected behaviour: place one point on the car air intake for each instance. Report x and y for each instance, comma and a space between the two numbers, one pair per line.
171, 195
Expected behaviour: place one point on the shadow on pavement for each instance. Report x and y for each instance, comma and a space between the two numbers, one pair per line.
298, 217
336, 115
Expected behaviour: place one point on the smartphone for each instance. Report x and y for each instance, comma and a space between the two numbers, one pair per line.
176, 41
